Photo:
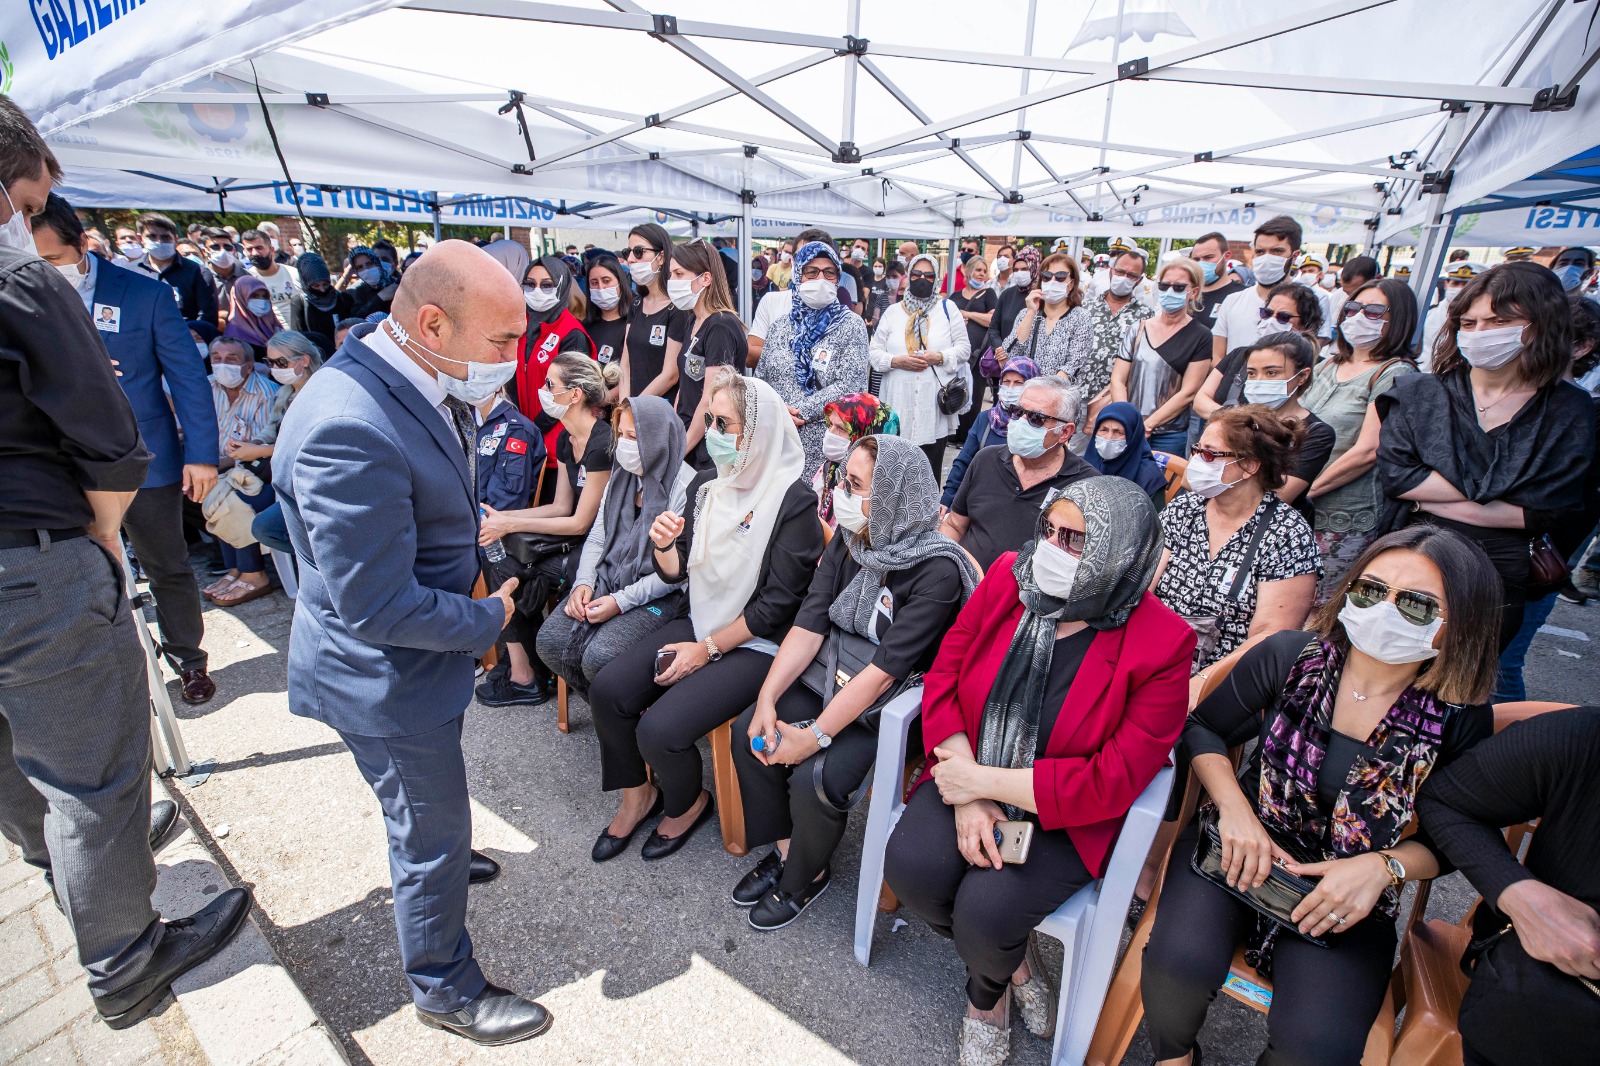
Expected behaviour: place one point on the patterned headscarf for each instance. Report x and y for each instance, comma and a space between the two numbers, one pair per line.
917, 310
808, 325
1028, 259
865, 414
902, 530
1019, 364
1122, 546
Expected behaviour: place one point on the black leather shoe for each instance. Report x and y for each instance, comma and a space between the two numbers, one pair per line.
498, 1016
759, 881
482, 870
186, 943
163, 816
657, 846
607, 846
778, 908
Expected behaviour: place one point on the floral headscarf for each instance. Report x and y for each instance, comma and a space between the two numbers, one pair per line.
1028, 259
808, 325
1017, 364
865, 415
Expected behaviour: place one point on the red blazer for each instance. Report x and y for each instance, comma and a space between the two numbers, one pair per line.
1123, 713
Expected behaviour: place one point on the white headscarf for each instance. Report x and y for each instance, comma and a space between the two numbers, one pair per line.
736, 513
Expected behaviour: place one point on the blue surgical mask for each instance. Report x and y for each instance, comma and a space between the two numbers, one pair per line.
1571, 276
370, 275
1025, 440
1210, 272
723, 448
1172, 301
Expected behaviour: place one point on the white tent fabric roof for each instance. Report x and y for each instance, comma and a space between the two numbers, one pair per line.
1159, 117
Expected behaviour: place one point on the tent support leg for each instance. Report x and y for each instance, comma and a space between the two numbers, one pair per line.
747, 253
1431, 252
436, 237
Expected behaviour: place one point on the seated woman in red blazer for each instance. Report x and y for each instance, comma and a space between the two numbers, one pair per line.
1055, 698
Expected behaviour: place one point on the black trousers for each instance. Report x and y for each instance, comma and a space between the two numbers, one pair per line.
1508, 551
935, 454
640, 722
980, 385
987, 912
1324, 1000
781, 802
154, 524
1520, 1010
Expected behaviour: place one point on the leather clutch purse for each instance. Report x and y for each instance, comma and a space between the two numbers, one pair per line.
1275, 898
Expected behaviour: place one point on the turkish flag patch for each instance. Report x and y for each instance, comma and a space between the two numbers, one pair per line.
517, 447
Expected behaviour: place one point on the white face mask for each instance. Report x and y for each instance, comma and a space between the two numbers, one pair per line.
1010, 394
162, 251
681, 293
285, 375
1108, 448
1308, 280
1021, 278
221, 259
819, 293
627, 454
1205, 479
1361, 331
483, 380
1328, 281
132, 251
642, 273
834, 446
547, 403
75, 275
605, 299
1272, 394
1382, 632
1055, 291
1269, 268
200, 346
848, 510
1122, 286
539, 300
785, 257
1001, 264
1054, 570
15, 231
1487, 349
227, 375
1450, 294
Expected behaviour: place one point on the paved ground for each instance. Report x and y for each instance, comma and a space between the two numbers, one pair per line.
638, 962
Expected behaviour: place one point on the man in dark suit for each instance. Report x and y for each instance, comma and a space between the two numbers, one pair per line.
139, 325
374, 469
193, 287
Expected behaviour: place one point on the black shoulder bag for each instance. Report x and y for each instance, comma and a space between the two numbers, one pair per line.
953, 394
1208, 627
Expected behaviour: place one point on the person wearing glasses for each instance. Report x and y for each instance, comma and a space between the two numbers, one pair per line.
553, 330
1165, 361
817, 353
921, 348
749, 550
776, 304
890, 579
997, 505
712, 333
1054, 328
291, 359
1495, 443
1350, 718
1238, 561
1290, 307
1055, 699
655, 326
1371, 353
849, 418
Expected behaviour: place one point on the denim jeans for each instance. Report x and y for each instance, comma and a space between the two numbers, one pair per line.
270, 529
1508, 683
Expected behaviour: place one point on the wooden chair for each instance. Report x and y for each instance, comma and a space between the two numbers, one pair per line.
1176, 468
480, 589
1430, 953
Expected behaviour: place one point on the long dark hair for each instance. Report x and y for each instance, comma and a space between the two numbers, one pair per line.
1464, 669
1306, 305
608, 262
1516, 290
657, 237
1398, 328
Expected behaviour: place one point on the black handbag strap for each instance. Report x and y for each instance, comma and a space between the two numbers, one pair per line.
1248, 561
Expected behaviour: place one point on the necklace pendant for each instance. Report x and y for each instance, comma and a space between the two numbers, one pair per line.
1358, 696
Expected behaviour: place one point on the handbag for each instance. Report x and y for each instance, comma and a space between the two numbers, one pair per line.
1547, 570
955, 394
1275, 898
524, 554
1208, 627
1479, 946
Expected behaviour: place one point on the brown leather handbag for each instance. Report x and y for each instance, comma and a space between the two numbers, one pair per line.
1547, 570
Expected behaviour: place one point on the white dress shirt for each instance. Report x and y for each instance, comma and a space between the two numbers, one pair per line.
382, 342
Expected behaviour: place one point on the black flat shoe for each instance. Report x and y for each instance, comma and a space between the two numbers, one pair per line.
185, 944
778, 908
657, 846
759, 881
498, 1016
607, 846
482, 869
163, 816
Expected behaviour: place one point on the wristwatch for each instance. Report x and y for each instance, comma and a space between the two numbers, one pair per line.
1397, 870
712, 652
823, 739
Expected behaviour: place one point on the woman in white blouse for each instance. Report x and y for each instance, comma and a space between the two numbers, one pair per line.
920, 348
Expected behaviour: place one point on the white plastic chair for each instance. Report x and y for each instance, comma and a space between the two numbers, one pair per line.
284, 564
1089, 925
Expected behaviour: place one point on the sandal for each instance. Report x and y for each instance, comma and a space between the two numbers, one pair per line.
251, 592
218, 585
983, 1044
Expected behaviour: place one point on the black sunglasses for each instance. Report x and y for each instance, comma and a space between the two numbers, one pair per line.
278, 364
1059, 275
1283, 317
1376, 312
641, 251
1418, 608
921, 275
1070, 541
1035, 419
720, 424
1175, 286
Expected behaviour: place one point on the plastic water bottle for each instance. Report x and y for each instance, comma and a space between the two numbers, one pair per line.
495, 551
758, 744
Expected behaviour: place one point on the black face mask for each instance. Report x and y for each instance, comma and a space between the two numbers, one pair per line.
922, 288
261, 262
322, 301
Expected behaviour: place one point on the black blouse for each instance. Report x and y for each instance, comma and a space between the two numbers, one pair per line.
1065, 662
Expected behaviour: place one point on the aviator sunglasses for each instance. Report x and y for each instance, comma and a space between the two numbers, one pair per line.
1418, 608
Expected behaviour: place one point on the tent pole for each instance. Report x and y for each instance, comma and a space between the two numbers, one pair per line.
955, 250
747, 252
1430, 257
436, 237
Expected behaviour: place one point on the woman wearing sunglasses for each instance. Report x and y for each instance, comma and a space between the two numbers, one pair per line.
891, 585
655, 326
1054, 328
553, 330
749, 551
1239, 562
816, 353
1054, 700
1350, 719
1372, 352
1167, 358
1495, 443
921, 348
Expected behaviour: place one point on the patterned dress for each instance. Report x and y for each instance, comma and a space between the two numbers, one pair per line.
1063, 347
1109, 332
840, 362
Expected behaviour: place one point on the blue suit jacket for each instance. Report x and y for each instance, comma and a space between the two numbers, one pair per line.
376, 498
153, 344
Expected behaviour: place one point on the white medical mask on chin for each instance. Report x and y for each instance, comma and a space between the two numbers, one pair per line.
483, 380
1054, 570
818, 293
1361, 331
848, 510
227, 375
539, 300
628, 457
642, 273
681, 293
1382, 632
1205, 479
1010, 394
547, 403
15, 231
1121, 287
605, 299
835, 447
1269, 269
1055, 291
1489, 349
1108, 448
285, 375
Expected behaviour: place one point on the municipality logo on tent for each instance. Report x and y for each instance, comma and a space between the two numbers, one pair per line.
7, 69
